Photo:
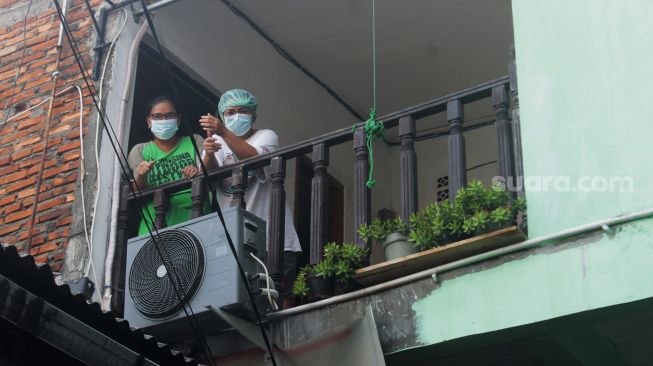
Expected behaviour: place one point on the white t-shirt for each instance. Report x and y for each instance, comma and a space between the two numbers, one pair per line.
259, 187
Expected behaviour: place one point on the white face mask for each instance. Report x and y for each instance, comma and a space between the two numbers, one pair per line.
164, 129
239, 124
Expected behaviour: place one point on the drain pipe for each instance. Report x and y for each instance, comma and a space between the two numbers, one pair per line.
605, 225
48, 120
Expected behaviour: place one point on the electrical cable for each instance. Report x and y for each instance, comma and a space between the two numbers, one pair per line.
291, 59
81, 181
267, 280
126, 171
20, 66
97, 132
214, 202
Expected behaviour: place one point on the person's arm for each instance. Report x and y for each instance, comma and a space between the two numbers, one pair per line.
211, 147
139, 167
237, 144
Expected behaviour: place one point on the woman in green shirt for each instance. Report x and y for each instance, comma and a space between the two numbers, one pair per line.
166, 158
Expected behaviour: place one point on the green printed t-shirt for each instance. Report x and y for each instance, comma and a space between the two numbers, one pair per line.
167, 169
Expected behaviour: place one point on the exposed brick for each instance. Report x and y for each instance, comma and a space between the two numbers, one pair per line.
12, 137
35, 168
13, 177
67, 220
21, 141
60, 213
21, 153
20, 185
59, 181
58, 234
26, 193
43, 248
17, 216
67, 147
60, 168
36, 82
8, 229
12, 208
60, 256
43, 206
7, 200
42, 258
71, 156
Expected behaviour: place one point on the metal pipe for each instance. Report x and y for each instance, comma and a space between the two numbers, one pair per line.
527, 244
46, 134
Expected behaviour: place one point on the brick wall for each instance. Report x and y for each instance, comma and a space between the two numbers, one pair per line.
21, 140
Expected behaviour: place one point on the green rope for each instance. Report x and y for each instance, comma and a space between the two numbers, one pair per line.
373, 128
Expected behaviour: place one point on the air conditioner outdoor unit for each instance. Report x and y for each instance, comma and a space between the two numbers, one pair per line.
200, 270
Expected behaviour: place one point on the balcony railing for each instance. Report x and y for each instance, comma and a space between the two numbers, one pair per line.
509, 161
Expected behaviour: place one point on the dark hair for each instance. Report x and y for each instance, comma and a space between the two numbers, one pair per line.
159, 99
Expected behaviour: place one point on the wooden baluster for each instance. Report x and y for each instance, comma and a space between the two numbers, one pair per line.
238, 177
120, 255
362, 208
407, 167
504, 138
276, 223
198, 194
515, 125
160, 208
457, 160
319, 202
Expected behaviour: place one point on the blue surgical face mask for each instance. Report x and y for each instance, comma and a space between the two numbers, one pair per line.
239, 124
164, 129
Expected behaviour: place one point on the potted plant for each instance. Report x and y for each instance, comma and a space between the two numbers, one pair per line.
477, 209
320, 280
392, 234
316, 282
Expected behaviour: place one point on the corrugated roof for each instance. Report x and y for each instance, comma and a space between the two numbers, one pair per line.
38, 279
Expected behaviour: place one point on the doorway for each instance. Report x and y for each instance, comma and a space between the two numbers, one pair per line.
151, 81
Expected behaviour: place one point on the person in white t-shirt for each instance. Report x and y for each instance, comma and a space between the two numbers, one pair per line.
232, 138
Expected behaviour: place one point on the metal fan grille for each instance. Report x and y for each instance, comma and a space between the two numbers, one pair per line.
151, 282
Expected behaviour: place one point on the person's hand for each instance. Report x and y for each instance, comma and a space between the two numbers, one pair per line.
143, 168
212, 124
190, 171
211, 145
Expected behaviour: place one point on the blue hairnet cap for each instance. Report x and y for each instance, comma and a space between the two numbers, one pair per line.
237, 98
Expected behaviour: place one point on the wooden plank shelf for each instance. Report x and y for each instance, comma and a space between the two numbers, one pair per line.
430, 258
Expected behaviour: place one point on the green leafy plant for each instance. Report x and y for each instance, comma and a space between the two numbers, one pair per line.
340, 262
378, 229
476, 209
324, 268
300, 286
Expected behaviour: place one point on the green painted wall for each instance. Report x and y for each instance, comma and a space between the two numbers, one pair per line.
541, 286
585, 77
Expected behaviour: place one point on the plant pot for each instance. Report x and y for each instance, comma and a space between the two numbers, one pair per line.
320, 288
396, 245
449, 238
492, 227
343, 288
